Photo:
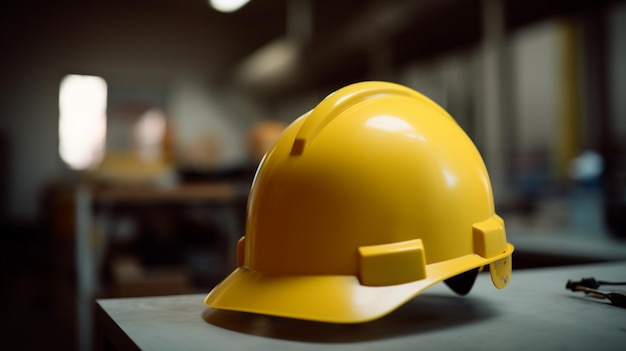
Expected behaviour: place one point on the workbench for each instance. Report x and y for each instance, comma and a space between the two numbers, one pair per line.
535, 312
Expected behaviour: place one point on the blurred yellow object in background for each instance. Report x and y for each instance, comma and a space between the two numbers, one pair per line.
262, 136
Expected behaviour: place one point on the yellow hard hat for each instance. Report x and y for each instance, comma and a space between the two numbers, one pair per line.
360, 205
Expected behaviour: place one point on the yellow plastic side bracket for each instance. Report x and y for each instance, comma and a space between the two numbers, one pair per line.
391, 264
489, 237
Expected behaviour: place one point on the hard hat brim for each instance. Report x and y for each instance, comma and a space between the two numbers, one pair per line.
329, 298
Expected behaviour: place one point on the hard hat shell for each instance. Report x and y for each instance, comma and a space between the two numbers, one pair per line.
360, 205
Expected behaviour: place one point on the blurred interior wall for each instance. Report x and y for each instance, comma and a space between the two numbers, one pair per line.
617, 67
29, 120
142, 48
537, 76
210, 123
41, 49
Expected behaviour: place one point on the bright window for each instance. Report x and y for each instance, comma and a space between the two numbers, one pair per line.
82, 120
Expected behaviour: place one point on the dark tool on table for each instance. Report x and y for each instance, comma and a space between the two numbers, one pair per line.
590, 285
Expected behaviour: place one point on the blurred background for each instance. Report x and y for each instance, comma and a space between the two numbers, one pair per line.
130, 130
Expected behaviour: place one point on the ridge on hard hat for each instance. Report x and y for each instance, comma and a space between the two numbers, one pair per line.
361, 204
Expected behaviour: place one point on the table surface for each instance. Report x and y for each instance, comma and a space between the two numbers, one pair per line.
534, 312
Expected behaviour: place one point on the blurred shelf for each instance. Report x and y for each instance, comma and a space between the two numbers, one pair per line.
223, 192
96, 209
